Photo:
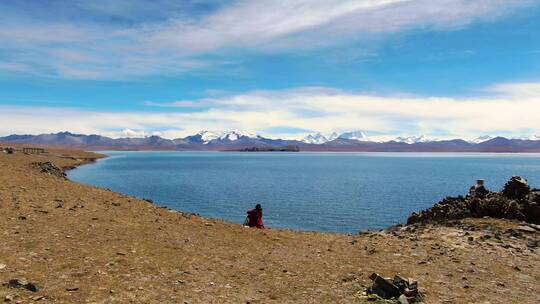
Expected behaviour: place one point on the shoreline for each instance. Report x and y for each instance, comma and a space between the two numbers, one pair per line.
80, 243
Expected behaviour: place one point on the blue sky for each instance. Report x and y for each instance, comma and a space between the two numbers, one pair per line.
448, 68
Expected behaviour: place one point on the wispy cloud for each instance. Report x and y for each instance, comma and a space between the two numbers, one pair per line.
178, 38
504, 109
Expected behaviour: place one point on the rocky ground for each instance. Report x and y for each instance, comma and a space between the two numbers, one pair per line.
79, 244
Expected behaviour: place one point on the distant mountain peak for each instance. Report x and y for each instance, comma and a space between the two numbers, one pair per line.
208, 136
530, 137
315, 138
333, 136
481, 139
354, 135
413, 139
348, 141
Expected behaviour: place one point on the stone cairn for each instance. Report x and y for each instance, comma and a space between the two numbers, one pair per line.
516, 201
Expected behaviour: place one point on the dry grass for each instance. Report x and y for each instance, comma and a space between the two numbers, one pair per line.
119, 249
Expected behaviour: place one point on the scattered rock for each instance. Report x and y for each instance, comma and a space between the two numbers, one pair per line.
405, 290
33, 287
37, 298
535, 227
22, 283
16, 283
526, 229
72, 289
2, 266
52, 169
516, 201
403, 299
9, 298
533, 244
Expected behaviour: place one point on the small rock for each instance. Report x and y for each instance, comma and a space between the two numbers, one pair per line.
17, 283
33, 287
526, 229
403, 300
534, 226
72, 289
9, 298
2, 266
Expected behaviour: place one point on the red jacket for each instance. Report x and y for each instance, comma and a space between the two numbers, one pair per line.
255, 217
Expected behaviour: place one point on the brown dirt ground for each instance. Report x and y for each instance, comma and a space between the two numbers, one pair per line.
119, 249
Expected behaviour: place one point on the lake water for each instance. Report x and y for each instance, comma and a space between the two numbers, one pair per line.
339, 192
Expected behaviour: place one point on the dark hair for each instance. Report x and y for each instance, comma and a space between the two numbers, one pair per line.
258, 207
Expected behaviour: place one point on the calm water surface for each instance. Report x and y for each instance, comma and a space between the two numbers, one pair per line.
340, 192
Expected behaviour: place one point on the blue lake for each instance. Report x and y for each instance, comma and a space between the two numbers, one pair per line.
339, 192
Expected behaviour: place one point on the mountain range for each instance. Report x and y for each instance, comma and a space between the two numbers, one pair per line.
355, 141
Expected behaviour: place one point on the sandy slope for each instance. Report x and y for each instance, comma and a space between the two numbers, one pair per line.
119, 249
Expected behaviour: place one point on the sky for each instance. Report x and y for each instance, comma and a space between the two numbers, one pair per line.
279, 68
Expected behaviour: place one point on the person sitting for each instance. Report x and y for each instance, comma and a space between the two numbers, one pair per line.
255, 217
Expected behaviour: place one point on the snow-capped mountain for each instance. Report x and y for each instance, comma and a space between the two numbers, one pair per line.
332, 136
316, 138
413, 139
207, 136
354, 135
481, 139
530, 137
485, 138
233, 140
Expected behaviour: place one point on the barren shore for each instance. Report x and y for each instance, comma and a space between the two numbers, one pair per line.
83, 244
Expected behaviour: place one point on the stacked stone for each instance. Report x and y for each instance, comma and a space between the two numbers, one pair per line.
516, 201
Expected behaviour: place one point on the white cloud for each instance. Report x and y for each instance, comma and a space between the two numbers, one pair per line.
271, 24
177, 42
508, 109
